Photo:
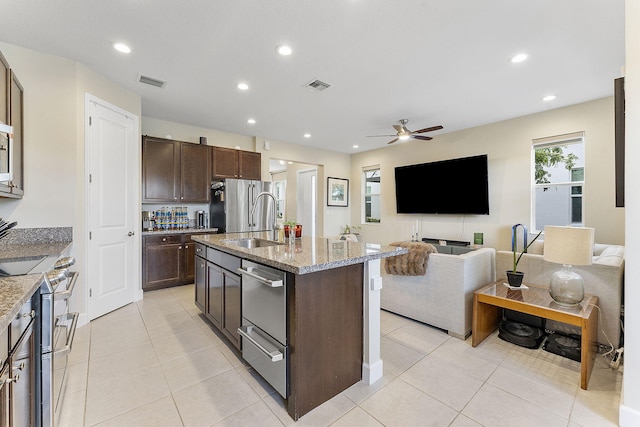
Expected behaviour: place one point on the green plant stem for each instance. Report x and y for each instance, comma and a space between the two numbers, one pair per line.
517, 260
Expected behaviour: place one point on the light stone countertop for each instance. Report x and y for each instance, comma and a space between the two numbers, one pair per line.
16, 290
306, 255
182, 231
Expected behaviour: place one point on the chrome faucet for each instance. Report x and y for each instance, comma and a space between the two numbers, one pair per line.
275, 207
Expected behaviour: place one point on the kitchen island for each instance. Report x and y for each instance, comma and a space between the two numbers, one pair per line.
332, 309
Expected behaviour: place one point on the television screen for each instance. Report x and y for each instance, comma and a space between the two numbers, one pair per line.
457, 186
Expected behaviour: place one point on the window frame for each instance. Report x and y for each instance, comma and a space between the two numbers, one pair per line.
364, 194
555, 141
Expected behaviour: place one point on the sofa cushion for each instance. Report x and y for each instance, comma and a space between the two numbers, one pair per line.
610, 256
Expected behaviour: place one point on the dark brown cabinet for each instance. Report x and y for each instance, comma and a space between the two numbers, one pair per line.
175, 171
200, 280
11, 113
223, 300
231, 163
168, 260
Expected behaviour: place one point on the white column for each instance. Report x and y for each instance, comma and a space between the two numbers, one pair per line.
371, 362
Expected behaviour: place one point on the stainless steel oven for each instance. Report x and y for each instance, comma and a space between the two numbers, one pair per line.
53, 332
264, 323
58, 328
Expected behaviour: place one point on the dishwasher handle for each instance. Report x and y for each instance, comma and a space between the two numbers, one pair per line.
272, 283
275, 355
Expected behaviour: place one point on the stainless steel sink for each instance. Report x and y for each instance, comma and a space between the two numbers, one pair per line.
251, 243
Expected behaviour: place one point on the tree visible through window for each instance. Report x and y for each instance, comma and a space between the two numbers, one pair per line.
558, 180
371, 195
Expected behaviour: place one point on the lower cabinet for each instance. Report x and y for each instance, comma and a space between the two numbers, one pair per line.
168, 260
218, 292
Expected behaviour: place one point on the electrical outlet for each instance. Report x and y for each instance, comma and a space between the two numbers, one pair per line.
617, 357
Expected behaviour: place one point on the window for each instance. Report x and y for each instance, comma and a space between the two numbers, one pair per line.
279, 193
558, 180
371, 205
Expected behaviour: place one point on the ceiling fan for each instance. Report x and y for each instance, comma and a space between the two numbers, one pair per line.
404, 133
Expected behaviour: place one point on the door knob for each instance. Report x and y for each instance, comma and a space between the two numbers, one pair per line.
131, 233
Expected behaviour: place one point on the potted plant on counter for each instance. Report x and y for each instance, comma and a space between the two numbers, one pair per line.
515, 277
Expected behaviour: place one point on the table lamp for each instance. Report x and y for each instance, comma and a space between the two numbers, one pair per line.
568, 246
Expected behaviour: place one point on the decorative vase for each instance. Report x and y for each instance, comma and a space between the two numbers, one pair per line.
515, 278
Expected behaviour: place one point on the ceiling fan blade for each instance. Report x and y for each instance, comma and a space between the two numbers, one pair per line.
398, 127
374, 136
431, 129
392, 141
422, 137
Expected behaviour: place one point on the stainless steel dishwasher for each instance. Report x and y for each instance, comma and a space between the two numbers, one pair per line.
264, 323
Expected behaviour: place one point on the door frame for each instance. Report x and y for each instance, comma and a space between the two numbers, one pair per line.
314, 212
137, 241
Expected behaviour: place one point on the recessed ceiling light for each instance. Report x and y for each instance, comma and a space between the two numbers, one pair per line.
243, 86
355, 146
251, 121
121, 47
518, 58
549, 98
284, 50
289, 163
307, 135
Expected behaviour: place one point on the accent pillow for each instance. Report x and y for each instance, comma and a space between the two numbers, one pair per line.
610, 256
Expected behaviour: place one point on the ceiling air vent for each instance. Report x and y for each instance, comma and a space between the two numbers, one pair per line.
151, 81
318, 85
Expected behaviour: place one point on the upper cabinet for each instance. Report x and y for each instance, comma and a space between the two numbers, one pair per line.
175, 171
232, 163
11, 145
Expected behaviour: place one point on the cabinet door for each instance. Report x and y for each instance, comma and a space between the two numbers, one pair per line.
200, 281
160, 170
4, 90
232, 305
225, 162
249, 166
16, 121
195, 173
163, 264
215, 283
189, 249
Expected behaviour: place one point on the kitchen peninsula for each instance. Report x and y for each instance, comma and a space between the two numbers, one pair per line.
331, 296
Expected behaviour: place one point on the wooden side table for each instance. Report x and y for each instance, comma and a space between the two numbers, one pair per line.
489, 300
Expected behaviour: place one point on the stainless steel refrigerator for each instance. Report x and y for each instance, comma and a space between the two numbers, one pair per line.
231, 204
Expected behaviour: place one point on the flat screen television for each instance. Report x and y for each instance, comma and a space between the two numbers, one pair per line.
456, 186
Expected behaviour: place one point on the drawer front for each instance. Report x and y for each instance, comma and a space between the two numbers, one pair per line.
201, 250
266, 356
224, 260
165, 238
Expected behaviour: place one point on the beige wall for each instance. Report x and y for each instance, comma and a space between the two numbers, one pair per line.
188, 133
331, 219
54, 92
508, 146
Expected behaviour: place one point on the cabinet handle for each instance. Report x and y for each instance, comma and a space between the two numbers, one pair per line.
201, 265
186, 246
198, 250
164, 239
20, 367
179, 247
31, 314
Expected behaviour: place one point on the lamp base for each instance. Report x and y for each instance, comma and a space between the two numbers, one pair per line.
567, 287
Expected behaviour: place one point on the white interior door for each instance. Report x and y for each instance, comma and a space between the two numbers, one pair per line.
306, 201
113, 194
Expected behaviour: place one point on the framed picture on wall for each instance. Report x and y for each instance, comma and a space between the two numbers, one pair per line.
337, 192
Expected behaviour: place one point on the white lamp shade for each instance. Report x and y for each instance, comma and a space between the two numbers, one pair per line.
569, 245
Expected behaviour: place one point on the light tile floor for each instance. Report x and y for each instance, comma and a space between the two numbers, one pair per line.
159, 363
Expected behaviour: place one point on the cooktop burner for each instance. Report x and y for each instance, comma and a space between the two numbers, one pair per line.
19, 266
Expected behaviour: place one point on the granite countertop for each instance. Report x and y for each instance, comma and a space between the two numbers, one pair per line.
16, 290
183, 231
306, 255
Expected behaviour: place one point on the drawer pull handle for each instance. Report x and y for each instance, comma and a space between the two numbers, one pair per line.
268, 282
72, 332
274, 355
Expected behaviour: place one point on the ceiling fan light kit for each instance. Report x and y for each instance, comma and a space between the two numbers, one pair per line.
404, 134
